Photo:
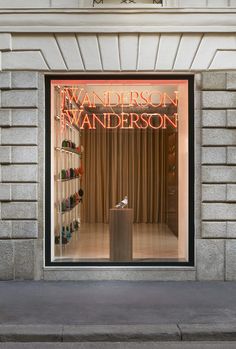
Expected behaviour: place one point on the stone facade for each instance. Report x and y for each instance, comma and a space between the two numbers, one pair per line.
26, 58
19, 174
89, 3
216, 250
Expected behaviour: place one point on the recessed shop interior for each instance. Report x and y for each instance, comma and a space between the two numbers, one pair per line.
111, 139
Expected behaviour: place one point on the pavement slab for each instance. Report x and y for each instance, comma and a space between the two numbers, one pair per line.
112, 345
117, 302
31, 333
119, 333
117, 311
208, 332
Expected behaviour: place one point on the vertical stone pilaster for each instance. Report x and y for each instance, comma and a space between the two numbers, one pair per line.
215, 249
19, 173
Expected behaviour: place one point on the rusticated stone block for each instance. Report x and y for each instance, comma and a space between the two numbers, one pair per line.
231, 155
24, 79
6, 260
5, 42
218, 174
214, 192
213, 81
210, 259
19, 98
5, 192
5, 117
23, 60
19, 173
5, 155
231, 192
20, 135
231, 230
231, 118
19, 210
231, 81
218, 211
230, 260
218, 99
214, 155
25, 117
5, 78
22, 154
218, 137
24, 229
24, 191
214, 229
5, 229
213, 118
24, 256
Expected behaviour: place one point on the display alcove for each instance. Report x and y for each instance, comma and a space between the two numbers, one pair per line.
112, 138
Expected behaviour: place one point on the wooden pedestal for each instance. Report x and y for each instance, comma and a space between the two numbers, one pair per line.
121, 239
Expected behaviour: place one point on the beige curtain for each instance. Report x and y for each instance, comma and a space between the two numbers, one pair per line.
124, 162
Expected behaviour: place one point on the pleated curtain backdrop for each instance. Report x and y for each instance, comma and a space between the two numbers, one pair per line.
124, 162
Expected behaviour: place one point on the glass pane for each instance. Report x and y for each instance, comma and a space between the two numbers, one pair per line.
119, 181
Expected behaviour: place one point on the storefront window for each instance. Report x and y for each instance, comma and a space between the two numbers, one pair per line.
119, 171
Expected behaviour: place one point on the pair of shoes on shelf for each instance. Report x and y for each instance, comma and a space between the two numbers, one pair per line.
68, 144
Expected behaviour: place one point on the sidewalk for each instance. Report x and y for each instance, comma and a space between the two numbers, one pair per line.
117, 311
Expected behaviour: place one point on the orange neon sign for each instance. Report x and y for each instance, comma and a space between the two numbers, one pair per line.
112, 109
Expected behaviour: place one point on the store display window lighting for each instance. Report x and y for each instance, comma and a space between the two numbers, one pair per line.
120, 170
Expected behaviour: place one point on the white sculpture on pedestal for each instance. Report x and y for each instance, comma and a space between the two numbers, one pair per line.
123, 203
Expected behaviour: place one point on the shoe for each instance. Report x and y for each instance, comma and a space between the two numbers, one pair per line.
67, 204
71, 201
64, 143
80, 149
81, 170
63, 206
72, 173
63, 174
81, 192
64, 241
68, 233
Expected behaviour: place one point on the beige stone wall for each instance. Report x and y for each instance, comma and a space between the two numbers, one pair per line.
24, 60
89, 3
22, 149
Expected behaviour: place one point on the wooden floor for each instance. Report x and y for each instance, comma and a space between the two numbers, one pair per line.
91, 242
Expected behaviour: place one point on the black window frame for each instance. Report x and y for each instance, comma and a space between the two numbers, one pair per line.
191, 170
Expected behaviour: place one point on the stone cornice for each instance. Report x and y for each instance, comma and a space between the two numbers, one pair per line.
118, 20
